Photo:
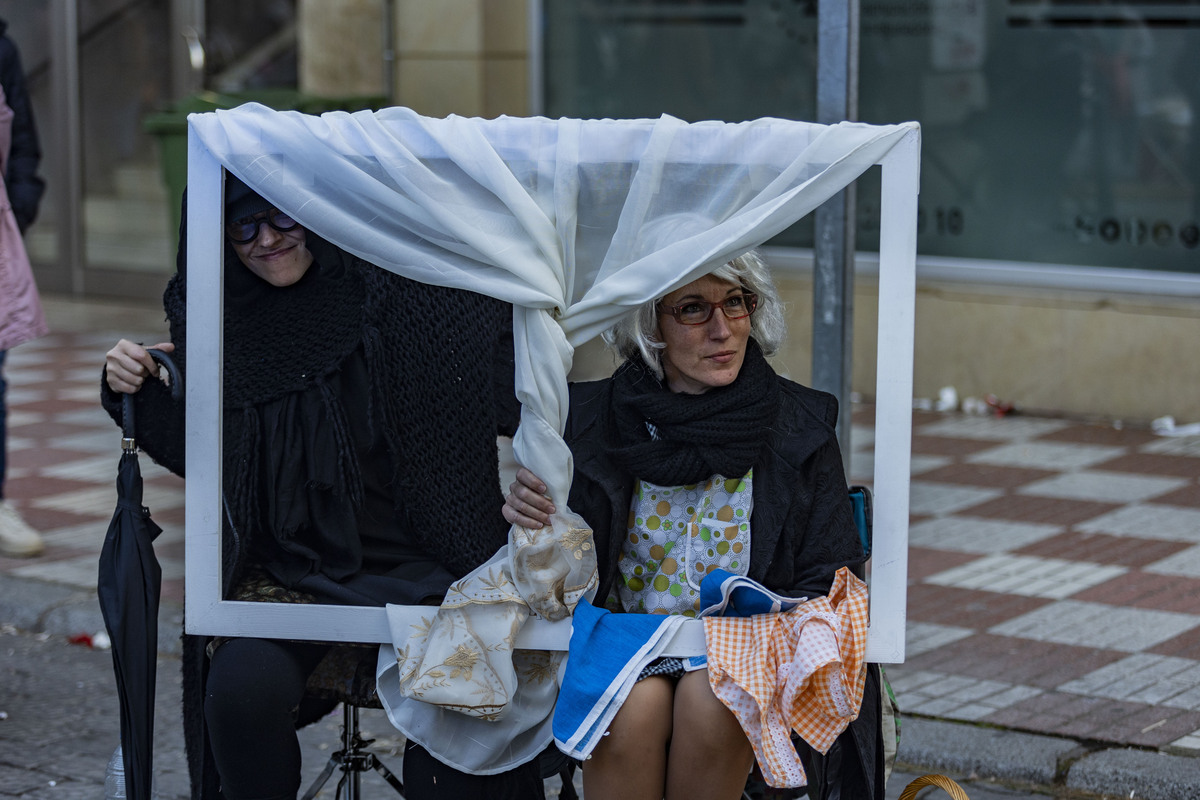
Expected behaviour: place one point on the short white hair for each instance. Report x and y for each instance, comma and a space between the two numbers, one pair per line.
637, 334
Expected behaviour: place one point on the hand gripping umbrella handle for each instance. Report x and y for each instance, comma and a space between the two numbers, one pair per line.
128, 429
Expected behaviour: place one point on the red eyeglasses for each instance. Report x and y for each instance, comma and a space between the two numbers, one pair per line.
698, 312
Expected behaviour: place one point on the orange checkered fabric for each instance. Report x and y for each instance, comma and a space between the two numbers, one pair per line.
800, 670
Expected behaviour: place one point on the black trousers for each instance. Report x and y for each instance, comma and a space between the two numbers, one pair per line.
253, 700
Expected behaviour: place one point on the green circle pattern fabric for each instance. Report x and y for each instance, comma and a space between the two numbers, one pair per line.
677, 535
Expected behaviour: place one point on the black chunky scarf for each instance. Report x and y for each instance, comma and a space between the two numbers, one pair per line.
287, 337
719, 432
282, 341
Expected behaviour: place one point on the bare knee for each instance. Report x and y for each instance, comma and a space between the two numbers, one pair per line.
643, 722
710, 755
635, 745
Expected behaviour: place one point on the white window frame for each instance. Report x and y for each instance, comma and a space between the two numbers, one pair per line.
208, 614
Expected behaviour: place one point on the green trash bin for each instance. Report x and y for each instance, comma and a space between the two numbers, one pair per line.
169, 127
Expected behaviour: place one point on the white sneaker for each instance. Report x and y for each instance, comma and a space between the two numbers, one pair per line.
17, 539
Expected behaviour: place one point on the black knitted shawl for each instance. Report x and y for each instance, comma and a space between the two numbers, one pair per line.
440, 362
696, 436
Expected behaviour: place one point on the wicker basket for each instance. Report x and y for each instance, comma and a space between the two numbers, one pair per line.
952, 788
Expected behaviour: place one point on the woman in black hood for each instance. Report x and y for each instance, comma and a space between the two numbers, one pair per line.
353, 399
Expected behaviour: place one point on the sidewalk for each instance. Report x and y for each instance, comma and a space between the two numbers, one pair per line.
1054, 566
63, 451
1054, 589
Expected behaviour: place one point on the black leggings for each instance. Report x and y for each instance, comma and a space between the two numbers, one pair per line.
251, 706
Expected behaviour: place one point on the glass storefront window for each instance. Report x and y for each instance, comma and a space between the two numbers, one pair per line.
125, 54
121, 50
1054, 131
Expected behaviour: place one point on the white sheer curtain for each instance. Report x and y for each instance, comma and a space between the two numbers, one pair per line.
575, 222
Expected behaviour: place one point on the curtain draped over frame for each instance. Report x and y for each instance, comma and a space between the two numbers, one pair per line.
574, 222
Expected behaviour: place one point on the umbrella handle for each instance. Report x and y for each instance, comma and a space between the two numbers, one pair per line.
172, 370
128, 427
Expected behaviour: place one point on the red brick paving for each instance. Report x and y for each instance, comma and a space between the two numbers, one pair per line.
1100, 548
1047, 510
49, 430
1185, 645
1020, 661
1188, 496
947, 446
49, 519
1100, 435
988, 475
35, 487
37, 458
949, 605
1156, 726
1153, 464
1142, 590
1099, 719
1045, 664
55, 405
72, 366
923, 562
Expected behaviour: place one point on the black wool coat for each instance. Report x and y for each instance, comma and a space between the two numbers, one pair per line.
802, 531
801, 528
440, 358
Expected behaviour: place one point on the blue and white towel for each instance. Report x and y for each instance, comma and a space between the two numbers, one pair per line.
723, 594
607, 653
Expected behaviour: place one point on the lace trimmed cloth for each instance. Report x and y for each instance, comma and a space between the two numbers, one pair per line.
801, 670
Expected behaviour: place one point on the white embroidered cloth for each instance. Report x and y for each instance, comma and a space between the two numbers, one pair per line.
552, 216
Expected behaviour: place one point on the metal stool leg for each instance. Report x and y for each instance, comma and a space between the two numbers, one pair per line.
350, 745
353, 759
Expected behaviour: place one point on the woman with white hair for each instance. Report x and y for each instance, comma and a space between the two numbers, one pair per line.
693, 456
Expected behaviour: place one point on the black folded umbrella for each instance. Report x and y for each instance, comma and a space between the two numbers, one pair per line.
129, 586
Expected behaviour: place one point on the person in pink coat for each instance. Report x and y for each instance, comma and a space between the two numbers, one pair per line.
21, 317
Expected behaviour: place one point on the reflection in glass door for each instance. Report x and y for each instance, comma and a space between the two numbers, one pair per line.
108, 205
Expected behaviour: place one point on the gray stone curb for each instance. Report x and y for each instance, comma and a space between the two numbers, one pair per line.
45, 607
32, 605
964, 749
1142, 774
1048, 762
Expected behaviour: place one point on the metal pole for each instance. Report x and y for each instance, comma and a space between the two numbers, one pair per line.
389, 51
833, 245
536, 56
353, 777
187, 47
68, 144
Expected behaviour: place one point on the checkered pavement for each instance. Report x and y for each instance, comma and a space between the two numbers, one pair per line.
1054, 577
1054, 568
63, 448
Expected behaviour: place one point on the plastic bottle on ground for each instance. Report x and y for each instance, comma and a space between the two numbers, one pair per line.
114, 776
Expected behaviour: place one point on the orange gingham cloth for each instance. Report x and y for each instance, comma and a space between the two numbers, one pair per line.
801, 670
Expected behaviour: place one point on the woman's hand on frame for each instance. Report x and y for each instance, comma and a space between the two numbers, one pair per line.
527, 504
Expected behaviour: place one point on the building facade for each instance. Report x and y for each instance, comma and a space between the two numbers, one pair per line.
1059, 244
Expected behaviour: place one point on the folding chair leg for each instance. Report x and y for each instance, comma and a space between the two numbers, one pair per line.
350, 783
330, 766
387, 774
353, 760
